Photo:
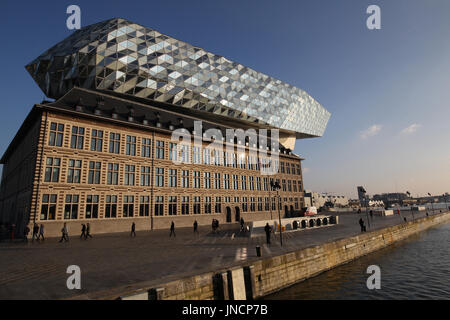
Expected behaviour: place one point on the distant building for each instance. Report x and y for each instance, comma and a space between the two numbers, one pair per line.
319, 200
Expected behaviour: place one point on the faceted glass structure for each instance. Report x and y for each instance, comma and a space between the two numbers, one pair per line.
121, 57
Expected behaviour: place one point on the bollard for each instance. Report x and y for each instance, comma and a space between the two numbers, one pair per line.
258, 251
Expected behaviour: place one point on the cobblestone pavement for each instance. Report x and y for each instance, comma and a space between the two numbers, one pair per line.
38, 270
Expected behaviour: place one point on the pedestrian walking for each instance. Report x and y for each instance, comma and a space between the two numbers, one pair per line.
268, 230
361, 223
64, 233
133, 230
83, 231
88, 231
195, 227
242, 224
172, 229
26, 231
41, 232
35, 232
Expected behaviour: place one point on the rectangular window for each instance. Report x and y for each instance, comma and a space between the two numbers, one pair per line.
266, 204
56, 134
196, 155
294, 186
251, 182
128, 206
218, 205
71, 207
144, 206
95, 169
111, 206
159, 149
113, 173
216, 180
184, 153
114, 142
129, 175
235, 182
260, 204
289, 186
52, 168
244, 204
96, 140
185, 205
266, 184
288, 168
243, 183
206, 156
159, 206
197, 205
226, 181
207, 205
173, 178
185, 179
91, 207
48, 208
74, 171
282, 167
146, 148
131, 146
172, 205
283, 185
196, 179
299, 186
77, 140
173, 155
258, 183
207, 180
159, 177
145, 176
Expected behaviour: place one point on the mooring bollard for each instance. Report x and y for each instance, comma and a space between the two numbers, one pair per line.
258, 251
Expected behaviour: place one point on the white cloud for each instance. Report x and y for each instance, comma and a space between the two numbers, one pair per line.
371, 131
411, 129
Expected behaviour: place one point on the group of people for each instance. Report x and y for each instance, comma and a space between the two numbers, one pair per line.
85, 231
38, 232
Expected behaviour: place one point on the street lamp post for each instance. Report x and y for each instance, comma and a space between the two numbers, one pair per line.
275, 187
409, 195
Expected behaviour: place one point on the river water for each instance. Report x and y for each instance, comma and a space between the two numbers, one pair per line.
415, 268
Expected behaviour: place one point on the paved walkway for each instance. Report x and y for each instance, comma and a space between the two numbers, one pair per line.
38, 270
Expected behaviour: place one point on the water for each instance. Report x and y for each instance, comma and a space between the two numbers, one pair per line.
416, 268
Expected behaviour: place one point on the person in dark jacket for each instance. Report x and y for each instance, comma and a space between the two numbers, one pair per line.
133, 230
172, 229
268, 230
35, 232
361, 223
195, 227
88, 231
83, 231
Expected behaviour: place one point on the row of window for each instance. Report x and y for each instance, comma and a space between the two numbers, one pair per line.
176, 152
111, 209
217, 181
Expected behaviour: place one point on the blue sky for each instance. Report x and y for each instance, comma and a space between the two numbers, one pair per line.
388, 90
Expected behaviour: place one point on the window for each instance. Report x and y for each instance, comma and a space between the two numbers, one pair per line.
207, 180
207, 205
172, 205
91, 207
52, 169
289, 185
96, 140
114, 142
216, 180
74, 171
196, 179
283, 185
258, 183
235, 182
266, 184
244, 204
294, 185
288, 168
206, 156
226, 159
299, 186
159, 206
173, 178
266, 204
95, 169
243, 182
48, 208
146, 147
144, 206
241, 159
260, 204
296, 203
145, 176
197, 205
218, 205
196, 155
226, 181
56, 134
184, 154
282, 167
234, 161
111, 206
129, 175
298, 169
252, 204
173, 151
159, 149
273, 203
251, 182
77, 140
71, 207
131, 146
185, 205
217, 157
159, 178
185, 179
113, 173
128, 206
